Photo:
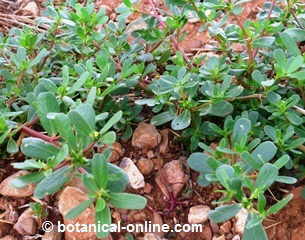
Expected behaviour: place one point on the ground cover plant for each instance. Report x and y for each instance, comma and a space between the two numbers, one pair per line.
81, 77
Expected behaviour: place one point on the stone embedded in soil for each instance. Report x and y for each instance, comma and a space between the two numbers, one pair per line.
146, 136
147, 188
8, 237
145, 166
225, 227
31, 8
171, 176
222, 237
54, 235
206, 234
4, 228
236, 237
27, 223
241, 218
136, 179
198, 214
6, 188
151, 236
163, 147
69, 199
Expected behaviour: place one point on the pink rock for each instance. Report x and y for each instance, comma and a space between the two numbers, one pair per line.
146, 136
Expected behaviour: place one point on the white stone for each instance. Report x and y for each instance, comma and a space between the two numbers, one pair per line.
136, 178
241, 218
198, 214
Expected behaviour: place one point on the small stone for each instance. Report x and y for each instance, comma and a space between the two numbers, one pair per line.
236, 237
150, 154
206, 234
157, 220
158, 163
4, 228
222, 237
198, 214
214, 227
225, 227
70, 198
163, 147
137, 216
173, 176
146, 136
151, 236
54, 235
8, 237
7, 189
241, 218
136, 179
32, 8
145, 166
147, 188
117, 152
27, 223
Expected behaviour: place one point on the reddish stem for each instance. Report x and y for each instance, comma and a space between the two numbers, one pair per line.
34, 133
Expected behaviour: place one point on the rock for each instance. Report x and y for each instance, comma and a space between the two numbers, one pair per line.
158, 163
163, 147
148, 188
145, 166
225, 227
171, 176
214, 227
136, 179
27, 223
198, 214
241, 218
69, 199
117, 151
206, 234
8, 237
6, 188
54, 235
31, 8
146, 136
222, 237
4, 228
151, 236
236, 237
298, 233
157, 220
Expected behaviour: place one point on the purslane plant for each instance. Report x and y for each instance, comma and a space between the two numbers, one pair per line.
246, 169
53, 164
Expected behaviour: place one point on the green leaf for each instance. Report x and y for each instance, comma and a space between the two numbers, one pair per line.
290, 44
99, 168
128, 3
103, 217
37, 148
241, 129
251, 161
74, 212
224, 174
28, 165
127, 201
83, 117
100, 204
279, 205
12, 146
221, 109
42, 54
162, 118
264, 42
117, 178
294, 118
256, 232
295, 64
90, 183
182, 121
53, 182
264, 152
199, 162
286, 180
79, 83
112, 121
266, 176
109, 138
282, 161
224, 213
63, 126
91, 96
22, 181
47, 103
